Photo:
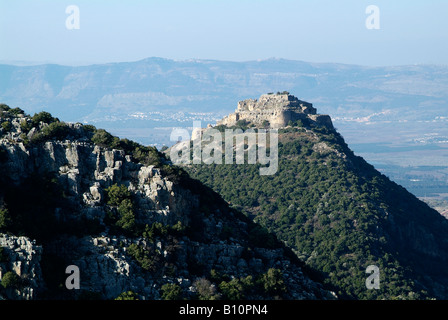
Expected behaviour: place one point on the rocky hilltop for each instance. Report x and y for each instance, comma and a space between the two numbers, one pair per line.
332, 208
276, 110
135, 226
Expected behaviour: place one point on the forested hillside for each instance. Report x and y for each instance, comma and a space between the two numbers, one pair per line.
340, 215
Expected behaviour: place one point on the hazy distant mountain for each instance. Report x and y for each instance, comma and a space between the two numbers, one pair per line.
119, 89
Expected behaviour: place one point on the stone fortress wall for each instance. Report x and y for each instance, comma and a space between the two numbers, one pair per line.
278, 109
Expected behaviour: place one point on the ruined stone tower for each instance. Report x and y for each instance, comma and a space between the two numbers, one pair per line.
277, 109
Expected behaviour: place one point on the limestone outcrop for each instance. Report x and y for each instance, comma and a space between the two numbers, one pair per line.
21, 256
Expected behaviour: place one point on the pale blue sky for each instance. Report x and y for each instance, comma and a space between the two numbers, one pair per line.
411, 32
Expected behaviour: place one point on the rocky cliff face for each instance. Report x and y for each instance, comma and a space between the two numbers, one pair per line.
58, 210
21, 256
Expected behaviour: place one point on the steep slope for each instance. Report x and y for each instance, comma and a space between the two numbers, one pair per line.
134, 226
339, 215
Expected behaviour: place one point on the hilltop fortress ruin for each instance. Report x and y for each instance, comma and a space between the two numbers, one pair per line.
277, 110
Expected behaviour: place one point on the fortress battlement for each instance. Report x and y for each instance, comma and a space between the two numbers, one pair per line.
276, 109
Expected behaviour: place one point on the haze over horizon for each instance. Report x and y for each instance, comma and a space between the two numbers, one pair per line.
26, 63
36, 32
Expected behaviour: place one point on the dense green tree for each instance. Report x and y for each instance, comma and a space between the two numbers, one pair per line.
127, 295
11, 280
126, 215
42, 116
104, 138
115, 194
16, 111
272, 281
4, 107
237, 288
6, 126
146, 259
171, 291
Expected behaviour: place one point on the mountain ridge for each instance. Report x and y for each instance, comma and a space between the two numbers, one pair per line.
143, 75
135, 226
